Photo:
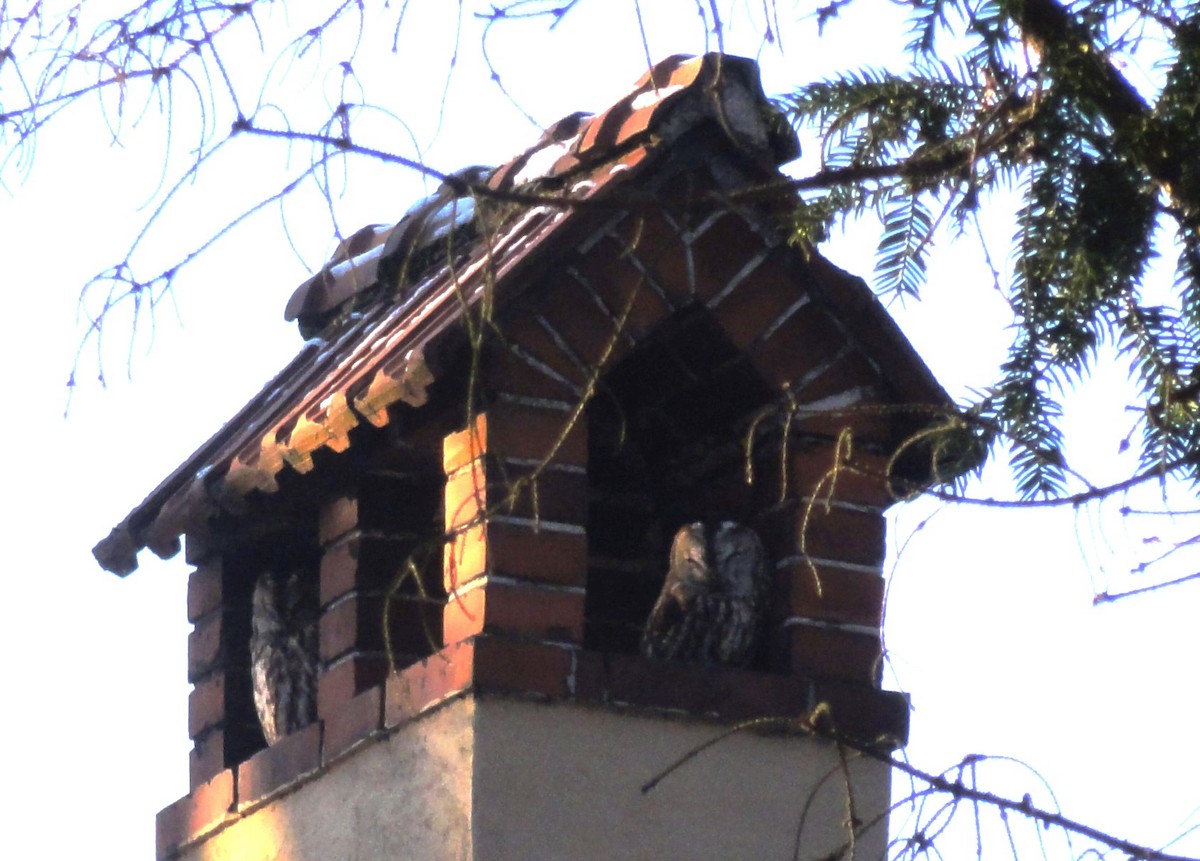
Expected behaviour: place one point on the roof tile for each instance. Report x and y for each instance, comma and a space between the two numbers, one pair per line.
386, 295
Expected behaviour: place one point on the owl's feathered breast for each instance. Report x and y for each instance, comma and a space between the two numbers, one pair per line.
283, 654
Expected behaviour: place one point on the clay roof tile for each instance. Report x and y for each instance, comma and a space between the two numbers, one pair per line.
390, 293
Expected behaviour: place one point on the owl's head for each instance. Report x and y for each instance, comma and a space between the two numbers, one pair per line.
278, 601
690, 573
265, 614
738, 560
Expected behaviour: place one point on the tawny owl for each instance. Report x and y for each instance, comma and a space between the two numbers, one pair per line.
713, 602
283, 654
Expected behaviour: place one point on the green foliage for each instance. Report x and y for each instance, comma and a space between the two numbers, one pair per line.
1036, 99
907, 229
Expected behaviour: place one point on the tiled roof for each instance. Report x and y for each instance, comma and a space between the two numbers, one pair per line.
390, 292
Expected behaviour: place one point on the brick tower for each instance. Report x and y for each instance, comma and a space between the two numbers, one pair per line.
508, 403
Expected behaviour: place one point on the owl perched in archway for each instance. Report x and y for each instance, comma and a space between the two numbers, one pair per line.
283, 654
713, 603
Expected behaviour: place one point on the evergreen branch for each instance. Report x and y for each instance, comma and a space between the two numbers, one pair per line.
1068, 49
922, 165
1072, 500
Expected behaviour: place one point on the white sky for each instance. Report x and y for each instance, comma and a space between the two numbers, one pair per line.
990, 625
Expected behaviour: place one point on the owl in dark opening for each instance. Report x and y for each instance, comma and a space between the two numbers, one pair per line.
283, 654
712, 606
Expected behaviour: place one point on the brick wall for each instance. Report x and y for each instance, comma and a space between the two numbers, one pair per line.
516, 561
629, 392
221, 721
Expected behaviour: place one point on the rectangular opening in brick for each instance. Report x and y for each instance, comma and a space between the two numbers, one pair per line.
666, 432
382, 583
306, 577
268, 617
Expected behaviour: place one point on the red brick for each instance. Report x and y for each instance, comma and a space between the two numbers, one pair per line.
535, 434
354, 721
855, 415
621, 285
722, 692
839, 534
649, 237
836, 595
194, 815
843, 535
544, 555
868, 418
206, 705
198, 547
646, 228
345, 680
588, 332
511, 430
814, 473
758, 302
441, 675
850, 370
721, 252
464, 558
279, 766
466, 494
819, 471
204, 648
515, 490
338, 629
526, 611
874, 717
339, 570
463, 615
555, 495
521, 667
522, 329
532, 373
337, 517
524, 551
354, 624
535, 612
204, 590
803, 341
206, 758
849, 299
464, 446
689, 688
830, 653
355, 619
